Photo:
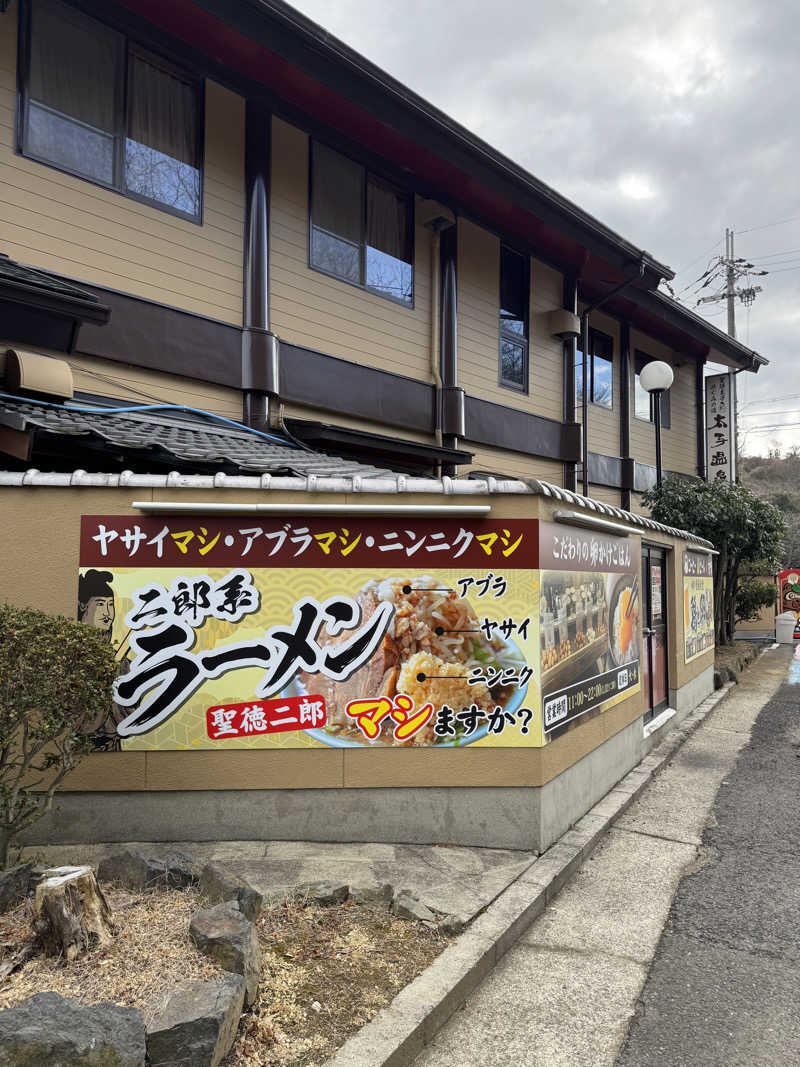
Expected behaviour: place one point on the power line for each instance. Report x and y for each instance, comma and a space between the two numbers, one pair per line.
769, 225
784, 269
703, 255
762, 414
773, 255
773, 399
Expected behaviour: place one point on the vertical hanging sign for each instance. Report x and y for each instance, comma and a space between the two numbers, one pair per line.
720, 428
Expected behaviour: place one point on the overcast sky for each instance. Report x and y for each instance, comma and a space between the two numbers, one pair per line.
668, 121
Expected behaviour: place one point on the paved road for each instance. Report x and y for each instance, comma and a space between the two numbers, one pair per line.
724, 987
565, 995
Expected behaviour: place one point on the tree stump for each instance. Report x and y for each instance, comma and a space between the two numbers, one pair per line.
71, 914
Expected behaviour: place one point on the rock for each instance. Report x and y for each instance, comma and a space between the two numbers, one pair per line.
50, 1029
450, 925
378, 896
406, 906
14, 885
198, 1024
326, 892
217, 885
181, 870
132, 869
227, 937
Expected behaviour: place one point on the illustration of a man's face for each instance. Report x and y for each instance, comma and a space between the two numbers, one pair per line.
96, 601
100, 613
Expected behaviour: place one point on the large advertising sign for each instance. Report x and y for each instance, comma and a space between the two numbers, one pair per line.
298, 632
698, 604
720, 428
589, 621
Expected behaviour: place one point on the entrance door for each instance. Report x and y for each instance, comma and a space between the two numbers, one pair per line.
654, 630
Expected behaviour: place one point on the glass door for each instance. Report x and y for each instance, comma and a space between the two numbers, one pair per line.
654, 630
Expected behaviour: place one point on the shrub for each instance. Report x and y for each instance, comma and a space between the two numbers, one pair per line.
55, 684
752, 596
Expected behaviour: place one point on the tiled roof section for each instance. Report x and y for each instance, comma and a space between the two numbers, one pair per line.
190, 440
608, 510
16, 272
352, 482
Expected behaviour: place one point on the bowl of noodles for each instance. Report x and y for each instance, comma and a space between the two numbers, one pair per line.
434, 651
623, 619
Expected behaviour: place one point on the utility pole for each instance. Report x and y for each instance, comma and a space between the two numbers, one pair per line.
730, 283
728, 270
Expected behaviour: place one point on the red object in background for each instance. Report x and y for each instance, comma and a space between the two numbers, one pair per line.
789, 587
257, 717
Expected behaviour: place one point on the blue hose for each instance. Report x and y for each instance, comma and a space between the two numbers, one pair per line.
153, 407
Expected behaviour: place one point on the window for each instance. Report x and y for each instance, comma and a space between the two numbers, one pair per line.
101, 108
360, 227
514, 289
642, 400
601, 370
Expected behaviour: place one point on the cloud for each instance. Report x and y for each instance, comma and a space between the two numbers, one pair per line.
669, 122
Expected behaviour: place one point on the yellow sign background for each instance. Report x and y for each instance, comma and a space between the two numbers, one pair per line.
280, 590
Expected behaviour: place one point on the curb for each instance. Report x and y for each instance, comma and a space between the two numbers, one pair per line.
400, 1031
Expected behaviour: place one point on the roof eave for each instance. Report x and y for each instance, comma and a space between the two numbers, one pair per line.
599, 238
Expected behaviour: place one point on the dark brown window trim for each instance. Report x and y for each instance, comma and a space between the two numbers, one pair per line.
368, 170
131, 42
524, 342
593, 333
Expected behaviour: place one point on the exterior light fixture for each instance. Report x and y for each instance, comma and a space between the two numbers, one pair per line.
656, 378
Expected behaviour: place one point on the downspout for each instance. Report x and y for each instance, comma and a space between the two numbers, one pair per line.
628, 466
435, 229
588, 309
452, 410
260, 355
570, 346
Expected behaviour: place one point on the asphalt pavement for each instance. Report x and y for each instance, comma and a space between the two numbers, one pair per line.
613, 972
724, 986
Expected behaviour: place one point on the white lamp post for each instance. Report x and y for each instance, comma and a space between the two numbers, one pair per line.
655, 378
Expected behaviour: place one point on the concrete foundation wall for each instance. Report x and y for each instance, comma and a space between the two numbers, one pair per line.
523, 817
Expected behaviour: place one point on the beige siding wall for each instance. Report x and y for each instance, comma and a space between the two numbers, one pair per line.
66, 225
679, 442
479, 331
308, 308
335, 418
513, 464
604, 422
546, 351
139, 386
478, 302
606, 495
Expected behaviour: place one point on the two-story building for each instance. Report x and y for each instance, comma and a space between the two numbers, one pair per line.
245, 272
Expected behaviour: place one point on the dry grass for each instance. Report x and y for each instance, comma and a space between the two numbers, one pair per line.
150, 955
327, 970
346, 960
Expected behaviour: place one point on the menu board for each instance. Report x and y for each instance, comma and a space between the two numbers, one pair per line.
698, 604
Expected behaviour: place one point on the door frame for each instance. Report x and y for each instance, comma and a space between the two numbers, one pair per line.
656, 553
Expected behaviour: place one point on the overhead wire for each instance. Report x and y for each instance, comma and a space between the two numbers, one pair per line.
769, 225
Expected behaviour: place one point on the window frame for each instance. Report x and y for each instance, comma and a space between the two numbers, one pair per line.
666, 405
129, 44
514, 338
593, 335
410, 225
